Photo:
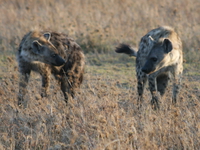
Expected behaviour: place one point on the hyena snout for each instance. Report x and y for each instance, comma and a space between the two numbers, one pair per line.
146, 70
57, 61
149, 67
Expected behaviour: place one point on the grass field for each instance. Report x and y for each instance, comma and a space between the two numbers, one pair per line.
103, 116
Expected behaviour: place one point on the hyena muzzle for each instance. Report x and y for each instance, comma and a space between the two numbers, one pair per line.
159, 54
50, 53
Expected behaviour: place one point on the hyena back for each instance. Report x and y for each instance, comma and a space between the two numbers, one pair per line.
50, 53
159, 54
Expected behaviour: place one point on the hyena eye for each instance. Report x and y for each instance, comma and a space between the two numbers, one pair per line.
154, 59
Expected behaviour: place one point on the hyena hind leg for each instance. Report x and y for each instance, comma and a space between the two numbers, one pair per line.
162, 83
176, 88
69, 85
65, 86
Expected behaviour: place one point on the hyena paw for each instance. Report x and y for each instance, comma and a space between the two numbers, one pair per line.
22, 103
20, 100
66, 99
155, 103
174, 100
139, 102
43, 94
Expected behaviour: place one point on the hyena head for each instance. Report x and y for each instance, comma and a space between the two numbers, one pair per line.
46, 52
158, 56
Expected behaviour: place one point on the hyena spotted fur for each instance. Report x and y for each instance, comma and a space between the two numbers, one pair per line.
159, 54
50, 53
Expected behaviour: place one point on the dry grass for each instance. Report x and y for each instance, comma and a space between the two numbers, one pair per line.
103, 115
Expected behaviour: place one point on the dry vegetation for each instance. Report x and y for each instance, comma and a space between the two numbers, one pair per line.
103, 115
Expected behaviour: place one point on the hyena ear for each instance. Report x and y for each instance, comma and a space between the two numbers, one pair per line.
36, 47
47, 36
167, 44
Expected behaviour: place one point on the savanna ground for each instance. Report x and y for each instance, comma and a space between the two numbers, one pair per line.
104, 114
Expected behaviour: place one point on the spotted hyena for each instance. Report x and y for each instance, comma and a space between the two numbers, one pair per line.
159, 54
50, 53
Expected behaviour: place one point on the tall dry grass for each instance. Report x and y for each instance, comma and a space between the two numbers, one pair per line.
103, 115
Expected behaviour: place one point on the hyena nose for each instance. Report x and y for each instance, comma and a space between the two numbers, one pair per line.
145, 70
59, 61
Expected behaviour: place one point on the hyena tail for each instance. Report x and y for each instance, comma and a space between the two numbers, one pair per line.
124, 48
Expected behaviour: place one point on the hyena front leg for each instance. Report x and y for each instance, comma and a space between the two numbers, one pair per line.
177, 74
24, 77
176, 87
154, 93
141, 77
45, 83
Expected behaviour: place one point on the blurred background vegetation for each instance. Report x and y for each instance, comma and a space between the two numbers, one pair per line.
98, 26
